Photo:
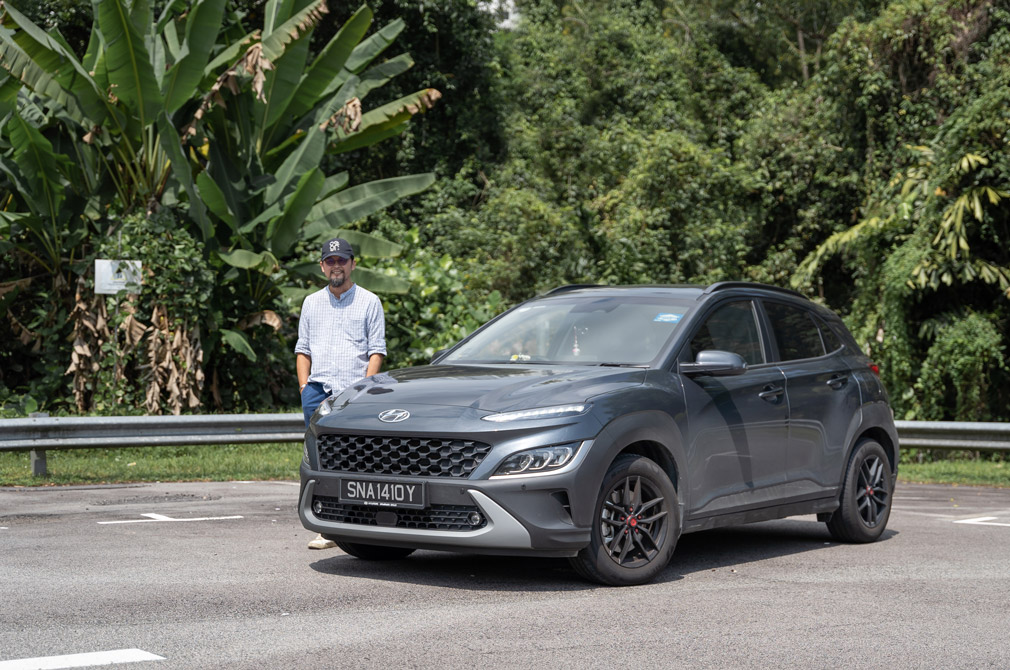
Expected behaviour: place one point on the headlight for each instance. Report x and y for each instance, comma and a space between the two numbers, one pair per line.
305, 451
542, 460
326, 406
538, 413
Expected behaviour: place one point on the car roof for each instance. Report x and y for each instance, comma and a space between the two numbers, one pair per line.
682, 291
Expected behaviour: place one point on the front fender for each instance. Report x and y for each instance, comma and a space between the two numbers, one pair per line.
659, 438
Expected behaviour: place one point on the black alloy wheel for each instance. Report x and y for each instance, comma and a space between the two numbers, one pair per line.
636, 525
872, 496
632, 522
865, 503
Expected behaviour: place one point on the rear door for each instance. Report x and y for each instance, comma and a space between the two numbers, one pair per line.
822, 394
737, 428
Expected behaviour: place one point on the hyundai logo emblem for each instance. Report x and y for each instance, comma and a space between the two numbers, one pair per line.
393, 415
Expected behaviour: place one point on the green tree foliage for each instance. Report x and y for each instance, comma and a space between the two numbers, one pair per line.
856, 150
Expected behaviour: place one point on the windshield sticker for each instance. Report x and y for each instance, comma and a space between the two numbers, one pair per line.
520, 357
668, 318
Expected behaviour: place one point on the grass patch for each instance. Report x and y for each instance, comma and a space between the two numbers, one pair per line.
218, 463
965, 472
210, 463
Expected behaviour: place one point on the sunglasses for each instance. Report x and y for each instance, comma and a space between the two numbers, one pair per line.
336, 260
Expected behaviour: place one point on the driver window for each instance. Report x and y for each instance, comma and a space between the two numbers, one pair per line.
732, 327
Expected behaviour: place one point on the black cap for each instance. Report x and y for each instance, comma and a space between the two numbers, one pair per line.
337, 247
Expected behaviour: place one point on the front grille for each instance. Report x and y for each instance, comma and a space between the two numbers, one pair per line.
410, 456
435, 517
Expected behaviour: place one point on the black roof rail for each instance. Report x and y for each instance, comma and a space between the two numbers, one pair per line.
571, 287
721, 285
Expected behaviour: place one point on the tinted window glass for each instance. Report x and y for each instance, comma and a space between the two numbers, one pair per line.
831, 341
577, 329
795, 331
732, 327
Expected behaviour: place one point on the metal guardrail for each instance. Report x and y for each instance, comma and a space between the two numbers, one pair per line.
42, 432
953, 435
38, 433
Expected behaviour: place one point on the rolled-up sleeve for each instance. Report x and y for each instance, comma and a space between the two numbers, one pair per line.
302, 345
376, 324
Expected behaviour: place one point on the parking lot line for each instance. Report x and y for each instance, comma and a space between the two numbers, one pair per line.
983, 521
81, 660
151, 517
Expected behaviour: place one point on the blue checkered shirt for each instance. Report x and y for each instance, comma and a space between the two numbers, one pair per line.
339, 335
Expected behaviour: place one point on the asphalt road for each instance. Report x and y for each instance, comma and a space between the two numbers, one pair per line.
217, 575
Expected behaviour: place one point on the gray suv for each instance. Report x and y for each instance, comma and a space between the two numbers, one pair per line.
600, 423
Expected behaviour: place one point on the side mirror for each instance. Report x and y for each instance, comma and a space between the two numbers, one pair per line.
716, 363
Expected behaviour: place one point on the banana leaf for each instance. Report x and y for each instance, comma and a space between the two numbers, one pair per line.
378, 282
359, 201
128, 62
384, 121
243, 259
215, 200
38, 165
306, 156
275, 42
285, 229
378, 75
180, 169
365, 53
239, 342
49, 70
330, 63
202, 27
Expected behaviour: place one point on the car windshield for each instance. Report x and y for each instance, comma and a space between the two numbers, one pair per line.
583, 330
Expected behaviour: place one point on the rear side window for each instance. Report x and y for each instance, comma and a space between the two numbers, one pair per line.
732, 327
795, 331
831, 341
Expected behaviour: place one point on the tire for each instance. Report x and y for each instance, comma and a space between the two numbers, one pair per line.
373, 552
631, 549
865, 502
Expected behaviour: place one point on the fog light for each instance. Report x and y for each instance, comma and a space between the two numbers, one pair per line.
317, 507
474, 519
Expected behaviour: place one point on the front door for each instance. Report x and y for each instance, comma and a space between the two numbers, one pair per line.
737, 425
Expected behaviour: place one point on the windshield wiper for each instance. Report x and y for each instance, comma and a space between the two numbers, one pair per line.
621, 365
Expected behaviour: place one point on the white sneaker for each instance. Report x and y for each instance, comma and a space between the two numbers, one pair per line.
320, 542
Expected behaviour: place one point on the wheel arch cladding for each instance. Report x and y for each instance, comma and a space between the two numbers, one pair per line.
880, 436
650, 433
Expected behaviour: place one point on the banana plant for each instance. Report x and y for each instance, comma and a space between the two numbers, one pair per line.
263, 136
188, 110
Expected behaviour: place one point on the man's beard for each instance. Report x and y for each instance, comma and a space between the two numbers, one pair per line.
338, 279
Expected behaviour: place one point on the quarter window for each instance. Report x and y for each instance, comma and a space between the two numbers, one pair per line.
795, 330
732, 327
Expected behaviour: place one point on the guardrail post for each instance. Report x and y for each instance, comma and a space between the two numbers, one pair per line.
38, 455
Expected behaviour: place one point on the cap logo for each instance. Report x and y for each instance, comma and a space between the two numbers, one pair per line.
335, 245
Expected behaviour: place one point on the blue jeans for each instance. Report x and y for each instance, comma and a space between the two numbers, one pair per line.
313, 394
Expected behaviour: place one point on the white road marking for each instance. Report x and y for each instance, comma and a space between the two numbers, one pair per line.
162, 517
983, 521
81, 660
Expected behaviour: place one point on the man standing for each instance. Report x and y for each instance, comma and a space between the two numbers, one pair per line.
341, 336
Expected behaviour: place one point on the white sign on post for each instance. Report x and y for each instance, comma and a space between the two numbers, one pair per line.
111, 277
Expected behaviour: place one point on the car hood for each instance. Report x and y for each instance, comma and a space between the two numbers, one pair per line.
494, 388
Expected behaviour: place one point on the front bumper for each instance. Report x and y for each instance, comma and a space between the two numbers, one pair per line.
518, 516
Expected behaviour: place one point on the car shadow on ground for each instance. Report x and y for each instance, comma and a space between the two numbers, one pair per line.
724, 548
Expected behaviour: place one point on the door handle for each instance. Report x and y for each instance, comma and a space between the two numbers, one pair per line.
771, 393
837, 382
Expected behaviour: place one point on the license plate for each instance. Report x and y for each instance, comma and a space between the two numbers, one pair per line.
383, 493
